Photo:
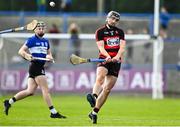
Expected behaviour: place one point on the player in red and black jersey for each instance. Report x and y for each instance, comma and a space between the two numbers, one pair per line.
111, 45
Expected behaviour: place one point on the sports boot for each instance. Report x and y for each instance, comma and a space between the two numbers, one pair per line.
91, 99
6, 106
93, 118
57, 115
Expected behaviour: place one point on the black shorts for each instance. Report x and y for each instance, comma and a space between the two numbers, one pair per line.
113, 68
36, 69
164, 27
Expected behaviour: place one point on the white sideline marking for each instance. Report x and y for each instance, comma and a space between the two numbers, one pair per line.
91, 126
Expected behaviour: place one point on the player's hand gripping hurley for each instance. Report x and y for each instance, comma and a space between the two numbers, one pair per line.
79, 60
31, 26
31, 58
44, 59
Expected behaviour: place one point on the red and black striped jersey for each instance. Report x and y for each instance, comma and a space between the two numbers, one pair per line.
111, 37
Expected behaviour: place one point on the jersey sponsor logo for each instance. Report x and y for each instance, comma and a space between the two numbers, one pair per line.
38, 44
113, 41
43, 72
42, 44
38, 49
46, 44
106, 32
112, 32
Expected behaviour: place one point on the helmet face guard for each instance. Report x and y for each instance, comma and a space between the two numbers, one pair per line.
40, 24
113, 14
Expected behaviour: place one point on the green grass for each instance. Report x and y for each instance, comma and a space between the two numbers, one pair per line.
118, 111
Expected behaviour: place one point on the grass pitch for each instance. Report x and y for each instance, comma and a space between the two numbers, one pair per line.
117, 111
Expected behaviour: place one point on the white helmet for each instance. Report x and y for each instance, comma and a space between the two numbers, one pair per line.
41, 24
113, 13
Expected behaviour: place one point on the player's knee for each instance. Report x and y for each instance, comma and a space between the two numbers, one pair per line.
107, 90
100, 80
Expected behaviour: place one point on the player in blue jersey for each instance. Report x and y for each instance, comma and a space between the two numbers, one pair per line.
35, 46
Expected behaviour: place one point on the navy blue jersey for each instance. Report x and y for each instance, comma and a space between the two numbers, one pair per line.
38, 47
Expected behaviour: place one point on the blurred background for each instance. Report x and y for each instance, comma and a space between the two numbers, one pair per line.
78, 18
